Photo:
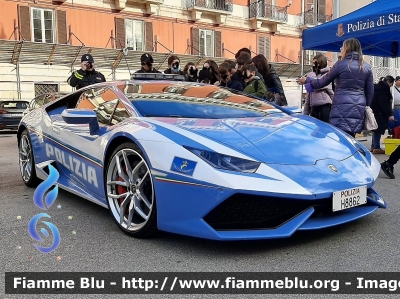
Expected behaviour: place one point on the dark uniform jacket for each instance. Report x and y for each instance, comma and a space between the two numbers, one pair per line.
81, 78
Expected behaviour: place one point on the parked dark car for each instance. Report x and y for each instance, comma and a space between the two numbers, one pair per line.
11, 113
43, 99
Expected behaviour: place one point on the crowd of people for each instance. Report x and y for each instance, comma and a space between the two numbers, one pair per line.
251, 75
339, 95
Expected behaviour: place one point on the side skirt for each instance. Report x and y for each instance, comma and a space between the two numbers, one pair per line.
42, 173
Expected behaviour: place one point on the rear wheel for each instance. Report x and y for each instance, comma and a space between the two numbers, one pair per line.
26, 161
130, 192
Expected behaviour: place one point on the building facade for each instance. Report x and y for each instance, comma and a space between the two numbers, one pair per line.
41, 41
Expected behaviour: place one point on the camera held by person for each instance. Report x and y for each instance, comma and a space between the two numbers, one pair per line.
190, 72
205, 76
87, 75
146, 60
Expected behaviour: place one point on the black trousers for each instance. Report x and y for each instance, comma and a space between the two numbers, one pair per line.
321, 112
395, 156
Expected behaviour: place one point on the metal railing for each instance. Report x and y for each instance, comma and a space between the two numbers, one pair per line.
224, 5
311, 18
277, 55
17, 53
286, 66
261, 10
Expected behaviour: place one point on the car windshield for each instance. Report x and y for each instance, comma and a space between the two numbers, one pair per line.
14, 105
191, 100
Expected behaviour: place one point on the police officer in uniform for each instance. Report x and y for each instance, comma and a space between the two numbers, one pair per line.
87, 75
147, 61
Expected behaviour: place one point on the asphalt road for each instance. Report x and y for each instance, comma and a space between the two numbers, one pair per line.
92, 242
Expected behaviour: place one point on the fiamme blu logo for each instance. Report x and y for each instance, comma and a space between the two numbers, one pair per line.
44, 196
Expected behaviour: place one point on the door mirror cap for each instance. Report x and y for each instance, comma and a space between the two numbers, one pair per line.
80, 117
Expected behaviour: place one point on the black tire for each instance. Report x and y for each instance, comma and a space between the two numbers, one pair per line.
31, 180
149, 227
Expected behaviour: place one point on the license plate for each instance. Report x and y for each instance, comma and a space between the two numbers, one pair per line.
349, 198
12, 115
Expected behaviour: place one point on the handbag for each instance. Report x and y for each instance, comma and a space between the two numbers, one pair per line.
370, 123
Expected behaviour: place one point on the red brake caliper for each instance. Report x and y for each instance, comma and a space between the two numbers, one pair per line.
122, 190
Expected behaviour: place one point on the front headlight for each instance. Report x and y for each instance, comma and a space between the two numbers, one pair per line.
356, 144
225, 162
359, 146
370, 159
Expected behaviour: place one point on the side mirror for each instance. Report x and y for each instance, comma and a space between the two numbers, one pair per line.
80, 117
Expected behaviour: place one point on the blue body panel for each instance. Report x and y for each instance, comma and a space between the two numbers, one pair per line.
261, 138
195, 202
321, 181
336, 219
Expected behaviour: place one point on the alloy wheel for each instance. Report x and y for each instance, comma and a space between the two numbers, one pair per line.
130, 190
25, 158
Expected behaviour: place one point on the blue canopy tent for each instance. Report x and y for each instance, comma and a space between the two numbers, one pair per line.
376, 26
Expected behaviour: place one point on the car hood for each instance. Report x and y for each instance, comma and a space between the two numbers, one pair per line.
273, 139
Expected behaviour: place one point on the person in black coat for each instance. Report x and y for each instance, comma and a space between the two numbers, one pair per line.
271, 79
212, 67
381, 105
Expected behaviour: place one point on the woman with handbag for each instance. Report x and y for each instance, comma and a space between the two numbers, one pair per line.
318, 103
354, 88
382, 107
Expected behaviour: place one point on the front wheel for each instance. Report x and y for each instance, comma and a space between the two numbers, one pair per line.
26, 161
130, 192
